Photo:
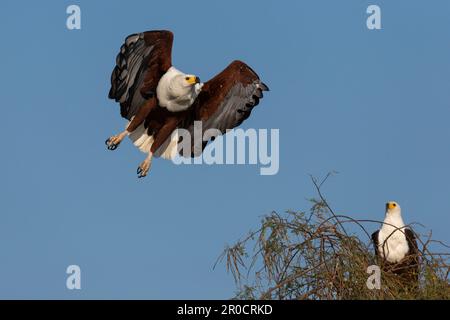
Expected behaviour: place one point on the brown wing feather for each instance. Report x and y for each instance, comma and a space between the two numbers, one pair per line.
412, 243
226, 100
142, 61
375, 241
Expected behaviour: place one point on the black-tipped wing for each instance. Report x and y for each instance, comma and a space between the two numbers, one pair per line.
142, 61
225, 101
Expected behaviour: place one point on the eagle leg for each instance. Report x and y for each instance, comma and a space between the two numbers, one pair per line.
113, 142
144, 167
160, 137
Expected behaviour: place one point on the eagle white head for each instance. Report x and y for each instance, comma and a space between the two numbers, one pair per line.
177, 91
394, 214
393, 209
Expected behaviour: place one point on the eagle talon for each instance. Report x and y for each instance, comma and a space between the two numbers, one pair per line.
111, 145
141, 174
143, 169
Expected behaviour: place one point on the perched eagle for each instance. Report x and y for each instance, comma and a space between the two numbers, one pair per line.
396, 245
157, 99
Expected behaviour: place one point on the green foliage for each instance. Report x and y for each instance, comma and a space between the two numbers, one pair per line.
317, 255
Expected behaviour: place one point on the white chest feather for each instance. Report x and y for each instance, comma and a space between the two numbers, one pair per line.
392, 243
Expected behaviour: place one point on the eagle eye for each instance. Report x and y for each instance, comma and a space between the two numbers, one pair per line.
188, 78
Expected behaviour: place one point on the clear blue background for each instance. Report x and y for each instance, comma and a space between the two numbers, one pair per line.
373, 105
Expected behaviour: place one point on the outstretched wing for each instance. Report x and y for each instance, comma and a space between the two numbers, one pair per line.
142, 61
225, 101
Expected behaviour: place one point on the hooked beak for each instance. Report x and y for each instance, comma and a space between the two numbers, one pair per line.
193, 80
390, 205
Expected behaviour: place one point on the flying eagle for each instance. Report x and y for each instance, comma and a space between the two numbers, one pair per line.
396, 245
157, 99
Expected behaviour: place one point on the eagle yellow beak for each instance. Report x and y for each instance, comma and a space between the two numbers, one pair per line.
390, 205
192, 79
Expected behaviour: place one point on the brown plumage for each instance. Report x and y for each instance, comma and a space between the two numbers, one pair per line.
224, 102
143, 59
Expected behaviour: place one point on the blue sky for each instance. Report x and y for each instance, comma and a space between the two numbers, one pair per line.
372, 105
